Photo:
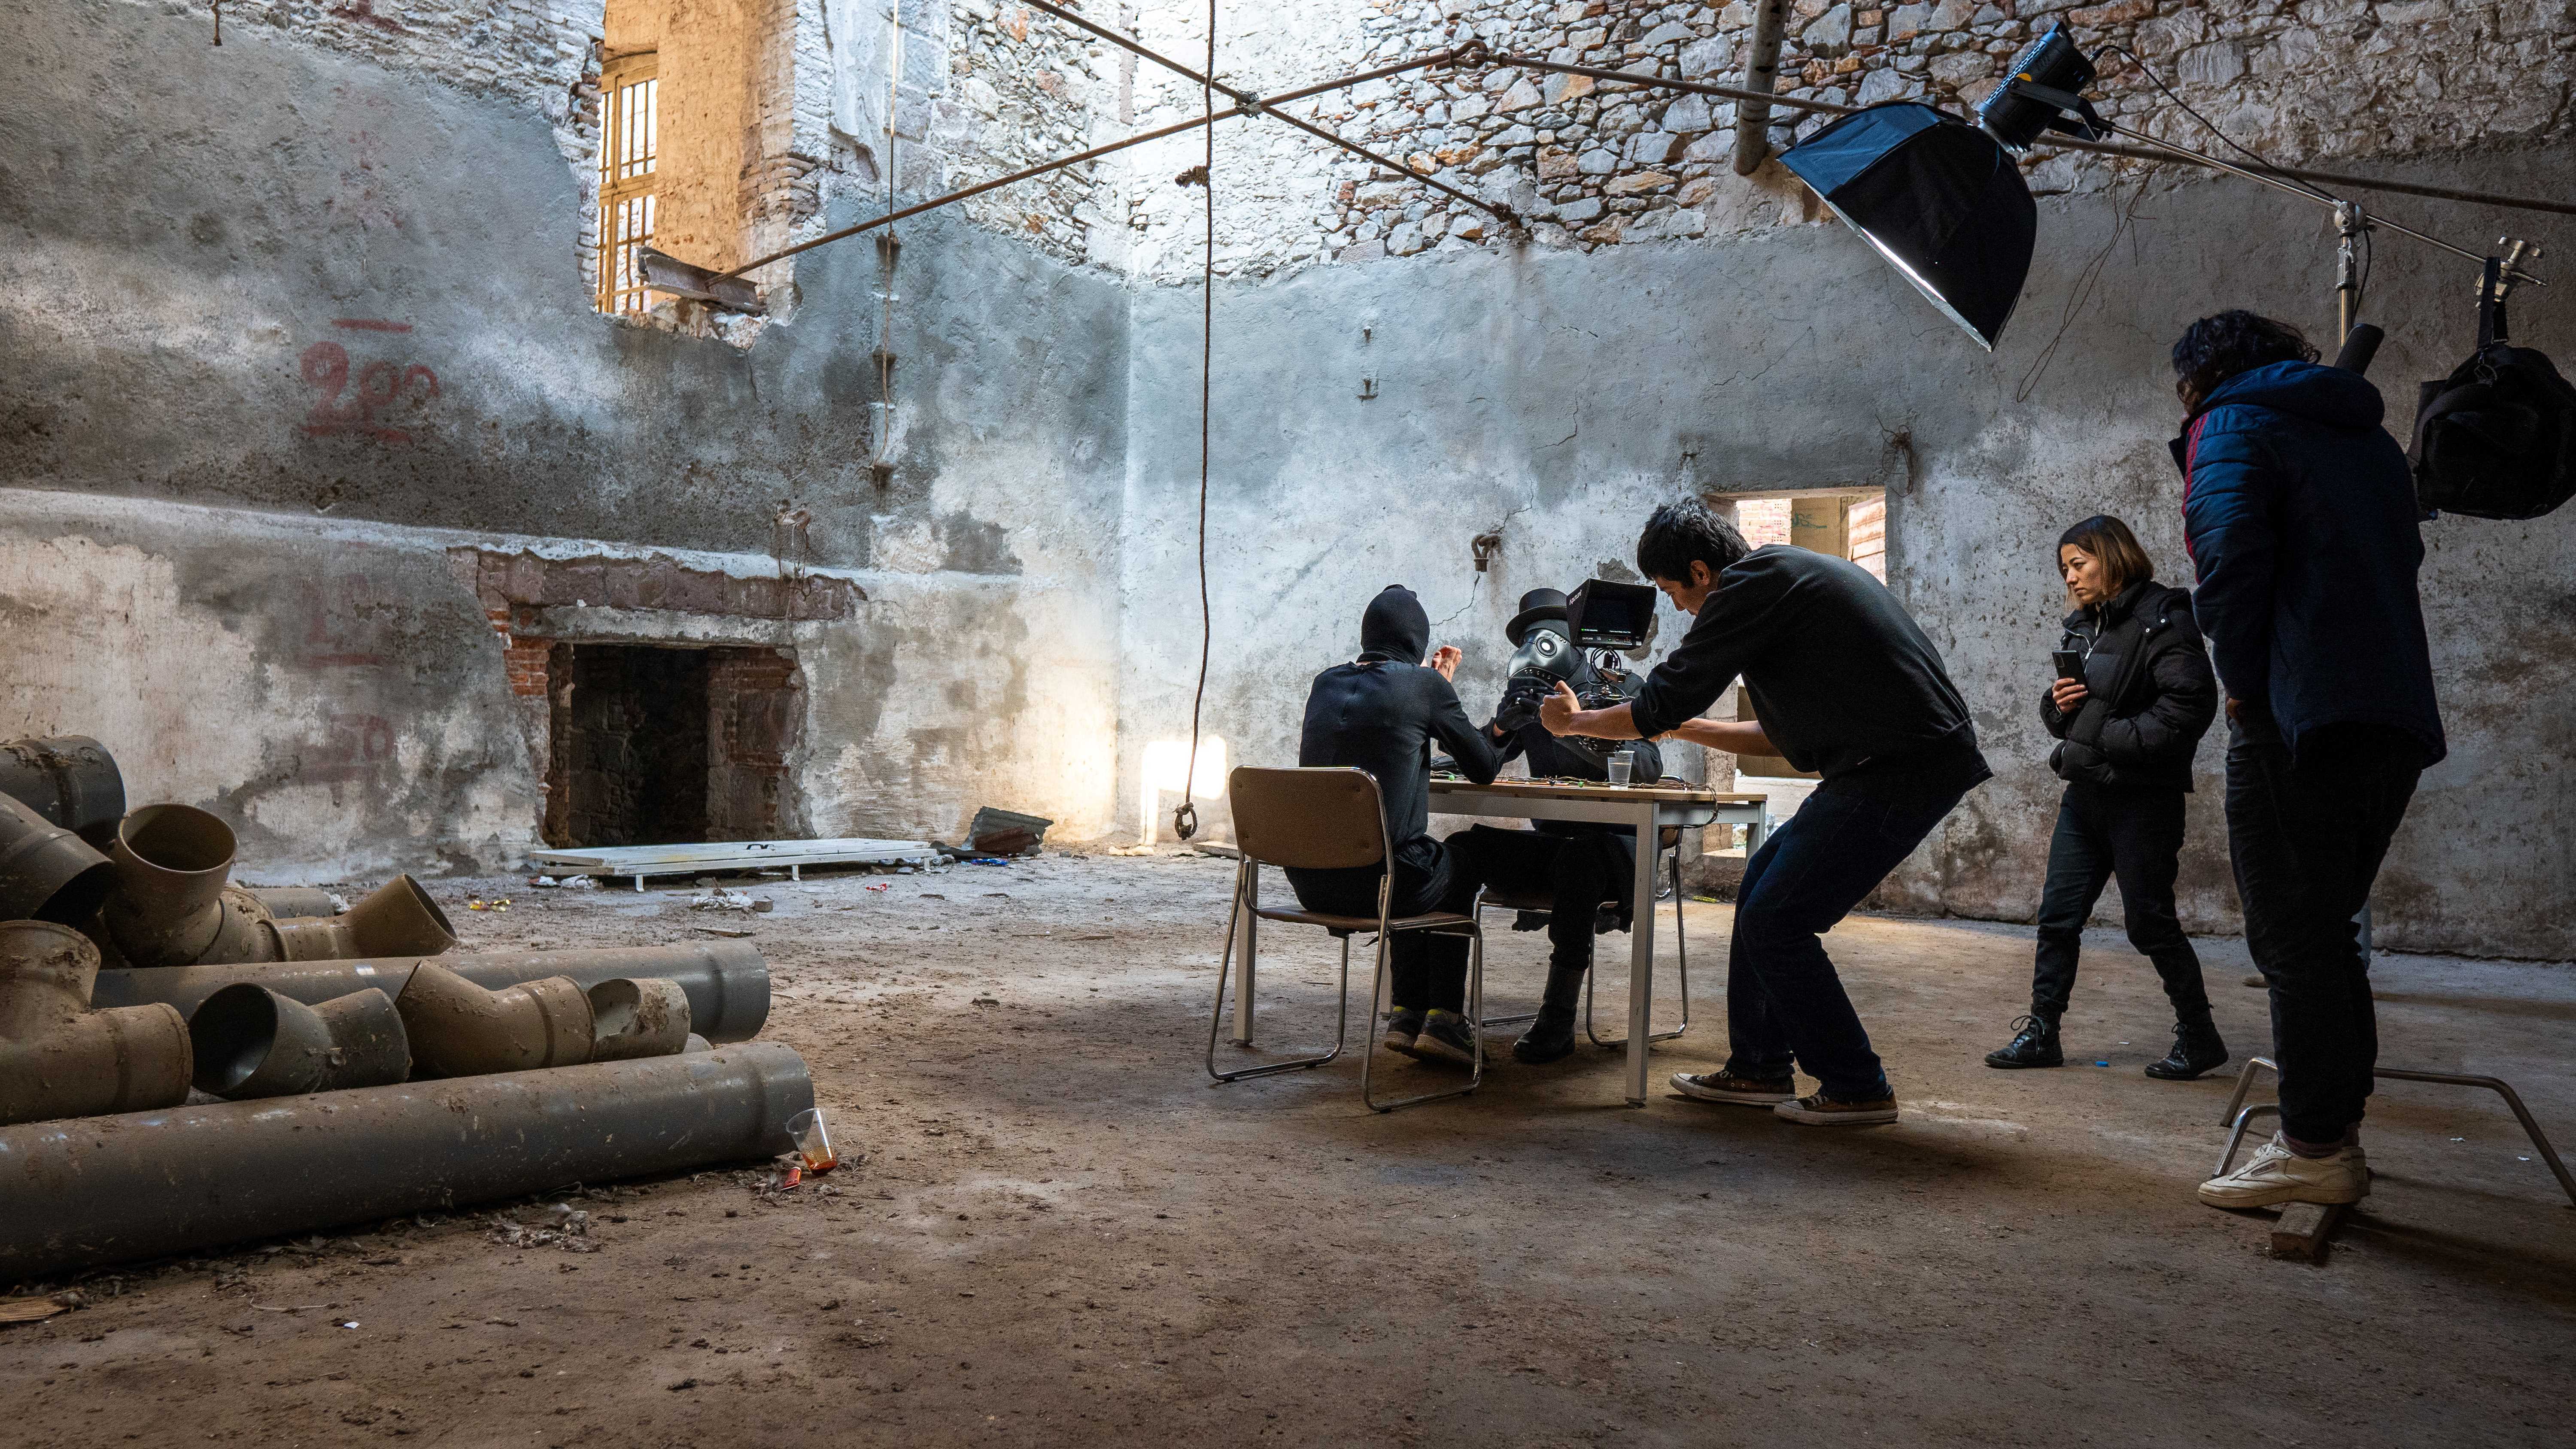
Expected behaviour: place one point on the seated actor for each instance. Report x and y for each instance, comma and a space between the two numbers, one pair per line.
1842, 682
1382, 712
1579, 867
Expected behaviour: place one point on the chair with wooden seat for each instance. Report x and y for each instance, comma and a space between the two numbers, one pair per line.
1329, 819
1668, 843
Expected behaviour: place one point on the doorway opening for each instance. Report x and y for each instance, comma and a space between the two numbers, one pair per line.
654, 744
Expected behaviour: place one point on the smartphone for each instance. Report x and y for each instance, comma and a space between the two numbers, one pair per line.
2070, 664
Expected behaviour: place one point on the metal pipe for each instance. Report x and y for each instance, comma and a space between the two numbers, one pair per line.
70, 780
1761, 76
58, 1058
459, 1029
147, 1184
1440, 58
396, 919
251, 1042
47, 873
726, 981
296, 903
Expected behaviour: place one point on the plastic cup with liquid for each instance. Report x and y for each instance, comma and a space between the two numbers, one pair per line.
813, 1139
1623, 767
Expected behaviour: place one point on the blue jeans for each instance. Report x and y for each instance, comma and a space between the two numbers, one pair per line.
1784, 1004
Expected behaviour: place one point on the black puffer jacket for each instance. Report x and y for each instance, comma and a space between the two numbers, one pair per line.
2150, 694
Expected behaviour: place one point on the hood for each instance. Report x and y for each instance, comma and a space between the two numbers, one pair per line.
1395, 627
2321, 394
2120, 606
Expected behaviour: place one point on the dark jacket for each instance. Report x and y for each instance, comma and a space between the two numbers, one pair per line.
2149, 695
1551, 760
1843, 681
1383, 712
2301, 519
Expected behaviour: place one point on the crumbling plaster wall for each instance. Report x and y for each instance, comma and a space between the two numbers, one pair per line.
288, 326
1560, 396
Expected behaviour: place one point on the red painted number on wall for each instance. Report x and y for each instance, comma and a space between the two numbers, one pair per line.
368, 403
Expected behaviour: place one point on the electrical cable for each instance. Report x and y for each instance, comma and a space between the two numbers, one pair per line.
1185, 820
2211, 127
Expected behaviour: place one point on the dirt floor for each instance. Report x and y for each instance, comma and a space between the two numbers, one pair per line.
1062, 1233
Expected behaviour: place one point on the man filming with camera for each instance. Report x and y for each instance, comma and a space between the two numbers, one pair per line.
1843, 682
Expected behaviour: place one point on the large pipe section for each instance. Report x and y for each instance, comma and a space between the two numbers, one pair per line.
296, 903
1761, 74
70, 780
47, 873
58, 1058
251, 1042
114, 1189
396, 919
726, 981
172, 906
637, 1016
459, 1029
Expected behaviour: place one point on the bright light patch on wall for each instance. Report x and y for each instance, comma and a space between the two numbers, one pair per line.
1167, 768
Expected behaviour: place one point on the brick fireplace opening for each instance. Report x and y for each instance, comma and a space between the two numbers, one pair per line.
655, 744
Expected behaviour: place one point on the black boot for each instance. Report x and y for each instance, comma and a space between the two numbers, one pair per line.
2196, 1049
1551, 1037
2034, 1044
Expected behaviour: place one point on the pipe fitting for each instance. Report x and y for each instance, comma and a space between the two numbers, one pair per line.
70, 780
459, 1029
58, 1058
398, 919
633, 1018
172, 905
295, 903
47, 873
251, 1042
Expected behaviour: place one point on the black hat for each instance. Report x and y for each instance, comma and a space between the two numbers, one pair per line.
1537, 606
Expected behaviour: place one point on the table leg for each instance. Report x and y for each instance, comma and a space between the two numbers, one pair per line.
1757, 832
1247, 947
1641, 956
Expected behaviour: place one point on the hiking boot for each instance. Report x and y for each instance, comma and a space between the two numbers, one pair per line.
2275, 1174
1725, 1086
2034, 1044
1823, 1111
2196, 1049
1551, 1037
1402, 1026
1446, 1037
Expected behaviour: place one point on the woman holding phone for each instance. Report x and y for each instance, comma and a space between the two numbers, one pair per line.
2133, 695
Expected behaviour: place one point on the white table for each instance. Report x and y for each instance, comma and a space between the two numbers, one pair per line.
1649, 808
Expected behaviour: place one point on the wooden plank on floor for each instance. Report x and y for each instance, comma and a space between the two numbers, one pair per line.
2304, 1228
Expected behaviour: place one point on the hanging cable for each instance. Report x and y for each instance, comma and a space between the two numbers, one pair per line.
880, 463
1185, 820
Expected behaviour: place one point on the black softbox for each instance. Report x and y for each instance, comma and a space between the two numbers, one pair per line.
1935, 196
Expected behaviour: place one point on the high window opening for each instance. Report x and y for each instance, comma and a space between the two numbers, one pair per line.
630, 132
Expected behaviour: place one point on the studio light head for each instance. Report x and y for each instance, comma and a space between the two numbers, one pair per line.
2045, 84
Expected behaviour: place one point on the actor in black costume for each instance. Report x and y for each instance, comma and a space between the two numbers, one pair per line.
1382, 712
1579, 867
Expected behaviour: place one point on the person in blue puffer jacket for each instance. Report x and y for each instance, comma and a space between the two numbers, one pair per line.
2300, 515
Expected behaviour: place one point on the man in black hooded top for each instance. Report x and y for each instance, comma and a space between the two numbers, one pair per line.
1383, 712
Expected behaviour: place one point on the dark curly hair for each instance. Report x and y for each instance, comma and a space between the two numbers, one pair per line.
1680, 533
2214, 349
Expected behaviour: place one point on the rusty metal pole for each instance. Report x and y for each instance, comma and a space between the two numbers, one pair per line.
1761, 74
726, 981
97, 1190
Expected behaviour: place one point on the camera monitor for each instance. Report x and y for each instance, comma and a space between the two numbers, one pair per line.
1607, 615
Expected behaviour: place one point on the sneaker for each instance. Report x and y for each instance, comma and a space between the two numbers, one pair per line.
2275, 1174
1446, 1037
1820, 1110
1401, 1029
2034, 1044
1722, 1086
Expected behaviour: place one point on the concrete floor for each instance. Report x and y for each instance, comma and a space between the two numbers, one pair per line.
1062, 1233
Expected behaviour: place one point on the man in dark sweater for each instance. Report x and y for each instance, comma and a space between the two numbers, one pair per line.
2300, 514
1382, 713
1842, 682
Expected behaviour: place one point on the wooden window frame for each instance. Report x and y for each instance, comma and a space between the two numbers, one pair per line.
630, 110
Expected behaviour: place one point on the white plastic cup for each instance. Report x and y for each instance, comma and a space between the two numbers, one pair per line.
1623, 766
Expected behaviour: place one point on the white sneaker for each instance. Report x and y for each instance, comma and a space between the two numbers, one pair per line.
2275, 1174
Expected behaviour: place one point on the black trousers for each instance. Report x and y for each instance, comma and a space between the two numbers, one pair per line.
1575, 874
1426, 970
2306, 837
2134, 836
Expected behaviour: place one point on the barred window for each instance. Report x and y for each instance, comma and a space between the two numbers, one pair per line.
630, 143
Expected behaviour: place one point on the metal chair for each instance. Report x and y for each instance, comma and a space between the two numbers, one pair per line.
1329, 819
2238, 1115
1506, 902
